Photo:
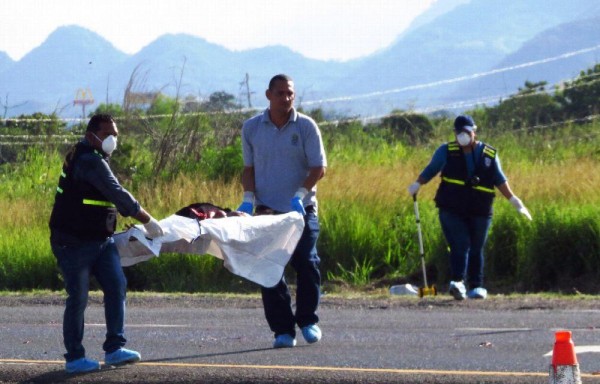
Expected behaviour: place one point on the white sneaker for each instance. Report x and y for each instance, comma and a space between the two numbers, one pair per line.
82, 365
122, 356
284, 341
477, 293
458, 290
312, 333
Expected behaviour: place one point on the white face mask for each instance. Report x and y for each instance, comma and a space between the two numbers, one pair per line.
463, 139
109, 144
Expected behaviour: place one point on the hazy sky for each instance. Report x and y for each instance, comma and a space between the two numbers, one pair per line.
321, 29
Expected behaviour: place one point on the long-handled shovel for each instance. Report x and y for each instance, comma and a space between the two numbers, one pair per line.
426, 290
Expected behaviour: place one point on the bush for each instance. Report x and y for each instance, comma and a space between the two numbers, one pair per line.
368, 230
223, 163
413, 128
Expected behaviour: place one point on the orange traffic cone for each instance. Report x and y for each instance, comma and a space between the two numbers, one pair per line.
564, 368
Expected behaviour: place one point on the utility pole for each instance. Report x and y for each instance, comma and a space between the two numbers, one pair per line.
245, 83
7, 107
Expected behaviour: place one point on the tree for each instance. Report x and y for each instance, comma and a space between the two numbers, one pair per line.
220, 101
581, 97
38, 124
413, 127
163, 105
115, 110
531, 106
316, 114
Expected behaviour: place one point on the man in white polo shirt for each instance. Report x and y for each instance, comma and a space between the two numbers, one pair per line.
284, 159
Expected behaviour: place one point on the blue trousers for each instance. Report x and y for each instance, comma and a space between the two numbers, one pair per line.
277, 300
77, 264
466, 235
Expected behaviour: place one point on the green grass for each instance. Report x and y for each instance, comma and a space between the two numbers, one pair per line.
368, 232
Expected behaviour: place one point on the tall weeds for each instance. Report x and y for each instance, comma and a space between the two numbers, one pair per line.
368, 229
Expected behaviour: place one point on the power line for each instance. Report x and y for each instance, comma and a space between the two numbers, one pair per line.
585, 119
452, 105
456, 79
425, 110
483, 100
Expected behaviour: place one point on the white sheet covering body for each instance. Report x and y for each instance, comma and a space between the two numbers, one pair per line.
254, 247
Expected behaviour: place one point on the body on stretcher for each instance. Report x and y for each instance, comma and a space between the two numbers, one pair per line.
253, 247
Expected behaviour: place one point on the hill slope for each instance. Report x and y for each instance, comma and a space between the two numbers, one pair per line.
5, 62
579, 39
469, 39
69, 59
428, 65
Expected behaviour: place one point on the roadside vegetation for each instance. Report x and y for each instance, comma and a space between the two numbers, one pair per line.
170, 156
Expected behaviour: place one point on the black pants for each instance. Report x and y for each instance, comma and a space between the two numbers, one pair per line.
305, 261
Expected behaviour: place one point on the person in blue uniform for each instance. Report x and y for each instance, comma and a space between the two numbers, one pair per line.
470, 170
284, 159
83, 220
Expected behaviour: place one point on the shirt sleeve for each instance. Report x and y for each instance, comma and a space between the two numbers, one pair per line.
96, 171
315, 151
438, 161
499, 176
247, 151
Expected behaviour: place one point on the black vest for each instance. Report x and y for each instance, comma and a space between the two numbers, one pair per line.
466, 195
79, 208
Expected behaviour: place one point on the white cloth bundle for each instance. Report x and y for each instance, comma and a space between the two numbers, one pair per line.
254, 247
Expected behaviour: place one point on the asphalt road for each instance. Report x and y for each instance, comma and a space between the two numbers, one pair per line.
211, 339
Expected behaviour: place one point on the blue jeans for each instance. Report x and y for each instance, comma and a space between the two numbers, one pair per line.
277, 300
100, 259
466, 235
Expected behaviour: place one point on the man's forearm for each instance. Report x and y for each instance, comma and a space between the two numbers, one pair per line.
314, 175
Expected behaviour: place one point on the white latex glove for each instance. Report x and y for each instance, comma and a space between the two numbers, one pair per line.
517, 203
414, 188
153, 229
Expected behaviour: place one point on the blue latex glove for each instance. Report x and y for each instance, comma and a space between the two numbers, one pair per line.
246, 207
297, 205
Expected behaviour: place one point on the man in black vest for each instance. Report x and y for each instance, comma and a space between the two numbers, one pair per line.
470, 170
83, 220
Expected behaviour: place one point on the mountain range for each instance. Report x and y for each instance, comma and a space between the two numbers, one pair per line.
457, 51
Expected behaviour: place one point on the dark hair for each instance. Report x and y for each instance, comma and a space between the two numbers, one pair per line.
96, 120
280, 77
